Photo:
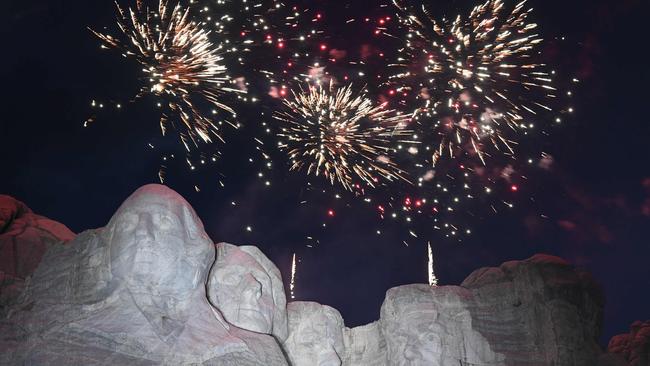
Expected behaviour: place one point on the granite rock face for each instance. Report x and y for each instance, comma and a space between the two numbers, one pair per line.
130, 293
24, 238
151, 288
537, 312
247, 287
633, 347
364, 346
315, 335
433, 326
555, 308
540, 311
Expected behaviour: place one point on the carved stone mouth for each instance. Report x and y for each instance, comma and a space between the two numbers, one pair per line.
146, 255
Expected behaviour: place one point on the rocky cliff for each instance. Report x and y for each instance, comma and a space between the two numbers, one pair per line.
152, 288
24, 238
632, 348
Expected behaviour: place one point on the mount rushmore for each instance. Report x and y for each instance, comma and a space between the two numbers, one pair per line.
152, 288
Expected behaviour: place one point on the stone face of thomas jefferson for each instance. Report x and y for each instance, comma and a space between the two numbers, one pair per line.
247, 288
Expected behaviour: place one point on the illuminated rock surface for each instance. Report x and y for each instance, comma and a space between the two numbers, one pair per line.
24, 238
247, 288
633, 347
149, 289
365, 346
540, 311
424, 326
131, 293
315, 334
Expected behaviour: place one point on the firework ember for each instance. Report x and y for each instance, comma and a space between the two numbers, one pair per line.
181, 65
341, 135
477, 77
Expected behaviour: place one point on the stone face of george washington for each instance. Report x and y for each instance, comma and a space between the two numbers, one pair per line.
159, 251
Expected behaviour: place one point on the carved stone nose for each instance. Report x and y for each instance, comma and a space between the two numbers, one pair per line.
144, 228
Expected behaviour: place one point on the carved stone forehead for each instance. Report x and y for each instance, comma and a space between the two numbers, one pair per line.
246, 256
153, 197
228, 254
406, 300
324, 315
419, 299
156, 198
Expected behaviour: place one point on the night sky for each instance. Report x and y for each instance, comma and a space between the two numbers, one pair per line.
591, 207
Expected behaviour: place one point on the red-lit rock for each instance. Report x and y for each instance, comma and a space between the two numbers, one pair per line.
24, 238
634, 347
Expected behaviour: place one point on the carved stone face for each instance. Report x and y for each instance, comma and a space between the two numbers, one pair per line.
315, 334
157, 245
409, 319
246, 287
417, 340
417, 321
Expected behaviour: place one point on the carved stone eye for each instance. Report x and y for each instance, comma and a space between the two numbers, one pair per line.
127, 222
230, 279
163, 222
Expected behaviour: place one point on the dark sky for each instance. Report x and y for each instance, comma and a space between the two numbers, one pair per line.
596, 198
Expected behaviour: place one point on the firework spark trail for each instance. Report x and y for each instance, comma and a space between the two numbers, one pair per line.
343, 136
476, 75
182, 66
293, 276
433, 280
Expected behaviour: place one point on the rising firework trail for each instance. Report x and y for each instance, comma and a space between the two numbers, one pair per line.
292, 285
433, 280
181, 66
342, 135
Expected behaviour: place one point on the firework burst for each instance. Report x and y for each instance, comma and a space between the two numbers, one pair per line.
181, 66
341, 135
476, 75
